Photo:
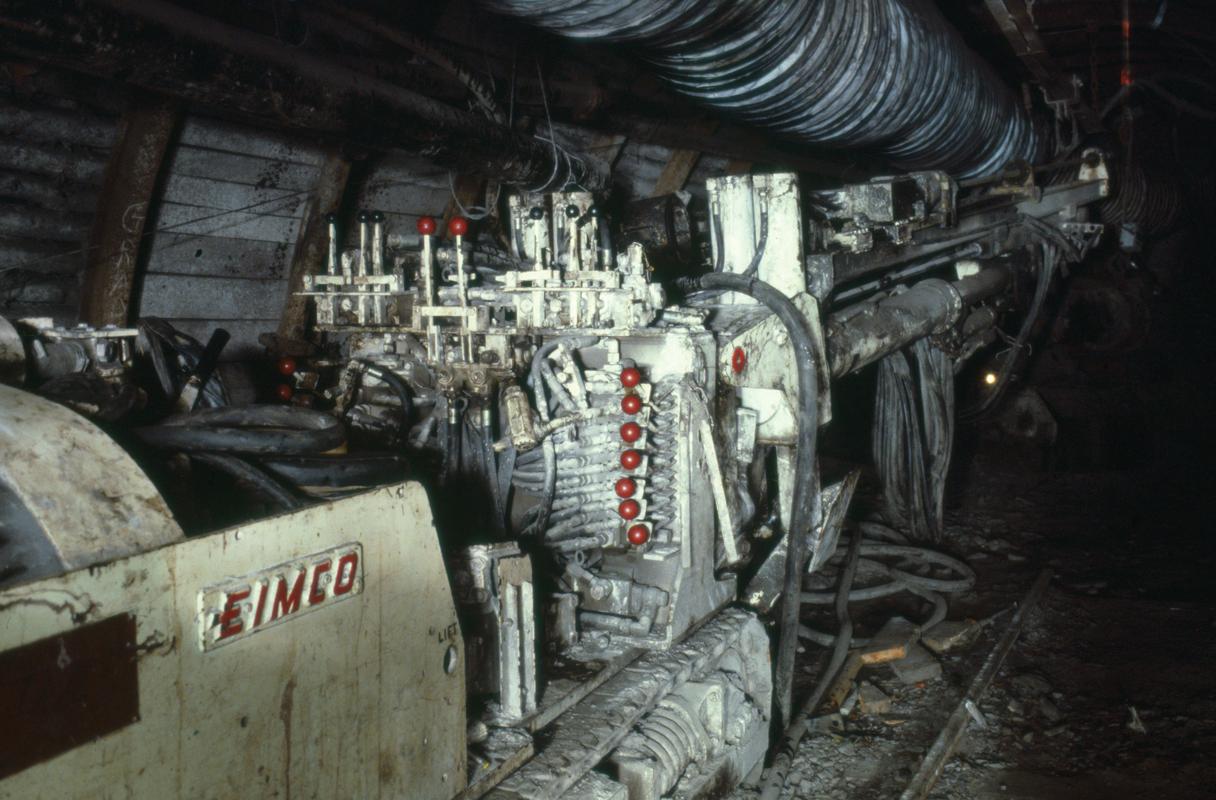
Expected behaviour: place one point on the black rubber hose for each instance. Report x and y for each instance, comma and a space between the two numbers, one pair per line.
251, 430
794, 732
398, 386
337, 472
267, 486
1046, 273
761, 244
802, 515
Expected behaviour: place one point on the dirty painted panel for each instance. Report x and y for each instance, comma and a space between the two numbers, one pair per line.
182, 254
226, 231
217, 194
183, 296
262, 225
214, 134
362, 698
63, 691
242, 169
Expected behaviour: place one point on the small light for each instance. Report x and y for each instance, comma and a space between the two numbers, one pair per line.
990, 378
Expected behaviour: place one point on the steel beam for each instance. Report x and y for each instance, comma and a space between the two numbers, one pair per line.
127, 192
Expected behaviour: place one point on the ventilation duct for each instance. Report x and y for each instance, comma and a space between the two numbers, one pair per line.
884, 75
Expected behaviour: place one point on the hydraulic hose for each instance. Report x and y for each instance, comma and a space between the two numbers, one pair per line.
780, 768
242, 470
249, 430
899, 577
394, 382
802, 515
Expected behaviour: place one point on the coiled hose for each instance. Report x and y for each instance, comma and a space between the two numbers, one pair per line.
903, 575
1150, 201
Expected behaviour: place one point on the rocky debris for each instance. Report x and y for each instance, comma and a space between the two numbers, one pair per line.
918, 666
1029, 684
1135, 724
892, 642
872, 700
1050, 711
950, 634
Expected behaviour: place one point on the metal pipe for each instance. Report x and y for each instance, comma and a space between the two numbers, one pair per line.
885, 75
858, 337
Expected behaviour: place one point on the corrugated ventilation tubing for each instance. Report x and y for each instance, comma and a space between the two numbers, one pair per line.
887, 75
1153, 202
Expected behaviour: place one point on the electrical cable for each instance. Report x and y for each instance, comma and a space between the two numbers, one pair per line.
804, 505
1046, 273
779, 770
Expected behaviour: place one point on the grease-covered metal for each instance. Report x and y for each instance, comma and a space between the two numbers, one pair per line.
886, 75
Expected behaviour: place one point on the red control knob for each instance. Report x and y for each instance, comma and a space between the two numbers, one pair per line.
630, 377
638, 535
625, 487
631, 404
738, 360
458, 226
284, 392
631, 459
426, 225
629, 509
286, 365
631, 432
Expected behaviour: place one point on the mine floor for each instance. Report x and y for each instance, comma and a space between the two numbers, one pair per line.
1108, 693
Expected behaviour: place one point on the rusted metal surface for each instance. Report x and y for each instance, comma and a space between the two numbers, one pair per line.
122, 213
87, 497
361, 697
